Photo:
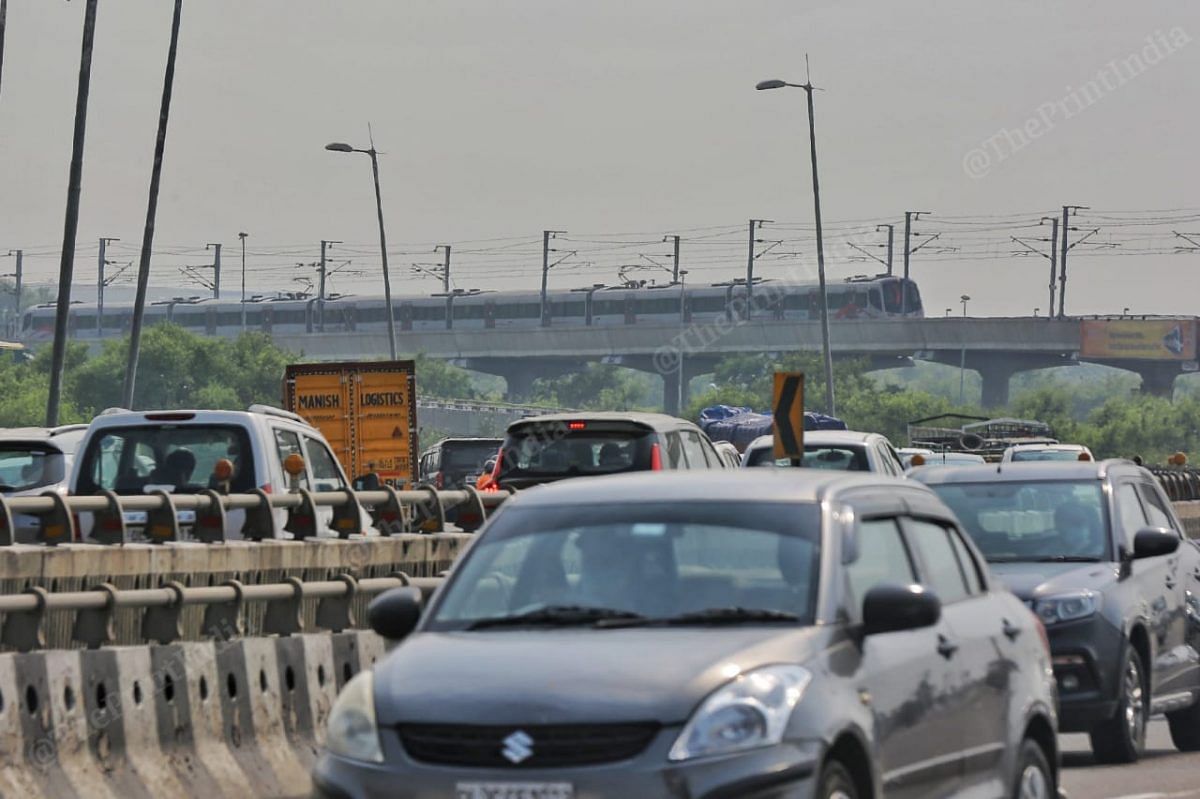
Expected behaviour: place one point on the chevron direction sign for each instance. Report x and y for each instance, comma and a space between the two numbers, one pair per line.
788, 408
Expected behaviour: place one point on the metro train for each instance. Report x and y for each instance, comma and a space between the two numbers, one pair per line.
881, 296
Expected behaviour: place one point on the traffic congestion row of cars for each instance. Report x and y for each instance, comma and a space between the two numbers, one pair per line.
867, 625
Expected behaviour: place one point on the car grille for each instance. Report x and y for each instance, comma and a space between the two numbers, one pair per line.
547, 747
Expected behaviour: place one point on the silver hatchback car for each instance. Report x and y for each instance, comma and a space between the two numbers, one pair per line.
766, 634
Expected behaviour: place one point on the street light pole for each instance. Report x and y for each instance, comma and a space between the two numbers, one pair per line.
962, 363
827, 353
243, 236
339, 147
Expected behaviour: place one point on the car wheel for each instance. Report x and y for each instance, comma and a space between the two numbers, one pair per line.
1185, 728
1122, 738
836, 782
1034, 778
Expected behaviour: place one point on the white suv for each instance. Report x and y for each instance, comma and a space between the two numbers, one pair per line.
34, 460
136, 452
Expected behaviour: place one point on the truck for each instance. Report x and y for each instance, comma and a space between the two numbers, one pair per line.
367, 411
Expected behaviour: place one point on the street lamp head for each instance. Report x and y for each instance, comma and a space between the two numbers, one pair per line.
964, 298
339, 147
243, 235
770, 84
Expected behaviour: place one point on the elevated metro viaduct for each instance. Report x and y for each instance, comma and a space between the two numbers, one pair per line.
996, 348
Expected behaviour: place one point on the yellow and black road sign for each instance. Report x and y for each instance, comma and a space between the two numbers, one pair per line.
788, 408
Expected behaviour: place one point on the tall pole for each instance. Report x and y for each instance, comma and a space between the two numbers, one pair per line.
546, 236
675, 264
825, 345
100, 284
962, 363
19, 275
750, 263
1053, 259
66, 267
3, 18
1067, 210
139, 303
387, 280
907, 253
891, 229
445, 268
216, 248
243, 236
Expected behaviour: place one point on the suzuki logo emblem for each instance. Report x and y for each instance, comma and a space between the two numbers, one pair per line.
518, 747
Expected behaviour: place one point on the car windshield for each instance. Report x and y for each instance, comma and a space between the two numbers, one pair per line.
468, 456
178, 459
27, 466
656, 561
563, 452
843, 458
1046, 454
1015, 520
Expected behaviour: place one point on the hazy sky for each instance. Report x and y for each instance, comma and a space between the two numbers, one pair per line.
618, 122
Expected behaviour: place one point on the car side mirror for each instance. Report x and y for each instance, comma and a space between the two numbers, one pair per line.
1151, 542
892, 608
395, 613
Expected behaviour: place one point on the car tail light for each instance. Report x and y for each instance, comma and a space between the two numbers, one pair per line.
655, 458
576, 425
169, 417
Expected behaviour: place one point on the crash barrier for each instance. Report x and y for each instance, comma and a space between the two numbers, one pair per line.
392, 512
73, 568
225, 718
1181, 485
161, 609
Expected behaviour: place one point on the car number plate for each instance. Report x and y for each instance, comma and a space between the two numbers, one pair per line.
514, 790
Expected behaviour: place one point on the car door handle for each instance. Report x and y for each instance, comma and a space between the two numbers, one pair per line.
1011, 631
946, 648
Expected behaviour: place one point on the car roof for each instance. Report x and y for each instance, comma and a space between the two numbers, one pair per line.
822, 438
39, 433
1068, 447
1023, 471
119, 417
656, 421
715, 485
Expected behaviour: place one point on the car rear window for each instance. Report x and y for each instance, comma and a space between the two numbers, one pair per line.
563, 452
1047, 455
28, 466
176, 458
467, 455
850, 459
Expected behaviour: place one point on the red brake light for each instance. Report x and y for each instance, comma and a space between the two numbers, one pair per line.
576, 425
655, 458
169, 417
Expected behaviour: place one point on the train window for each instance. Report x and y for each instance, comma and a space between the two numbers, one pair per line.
914, 297
567, 308
608, 307
891, 296
84, 321
658, 305
473, 311
875, 298
795, 302
429, 313
373, 314
26, 321
708, 304
297, 316
253, 317
229, 318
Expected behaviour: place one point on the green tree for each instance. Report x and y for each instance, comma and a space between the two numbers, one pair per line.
437, 378
599, 386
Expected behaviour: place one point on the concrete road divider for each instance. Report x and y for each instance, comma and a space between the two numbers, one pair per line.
213, 719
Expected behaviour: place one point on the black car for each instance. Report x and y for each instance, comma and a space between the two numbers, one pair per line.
457, 462
1097, 551
542, 449
756, 634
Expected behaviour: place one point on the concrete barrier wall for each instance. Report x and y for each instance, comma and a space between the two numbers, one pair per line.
214, 719
1189, 514
82, 567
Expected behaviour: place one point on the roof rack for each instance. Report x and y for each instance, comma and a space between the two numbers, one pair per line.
270, 410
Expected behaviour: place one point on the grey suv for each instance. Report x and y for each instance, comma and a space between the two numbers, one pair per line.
749, 634
1097, 551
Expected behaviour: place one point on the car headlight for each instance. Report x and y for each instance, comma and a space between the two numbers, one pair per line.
1067, 607
351, 731
750, 711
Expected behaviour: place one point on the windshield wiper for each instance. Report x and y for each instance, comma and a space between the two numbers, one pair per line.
557, 615
729, 615
1066, 559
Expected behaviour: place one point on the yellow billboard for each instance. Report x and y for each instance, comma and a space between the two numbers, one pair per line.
1142, 339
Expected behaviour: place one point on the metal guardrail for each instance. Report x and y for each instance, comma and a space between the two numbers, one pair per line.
392, 512
1180, 484
162, 608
